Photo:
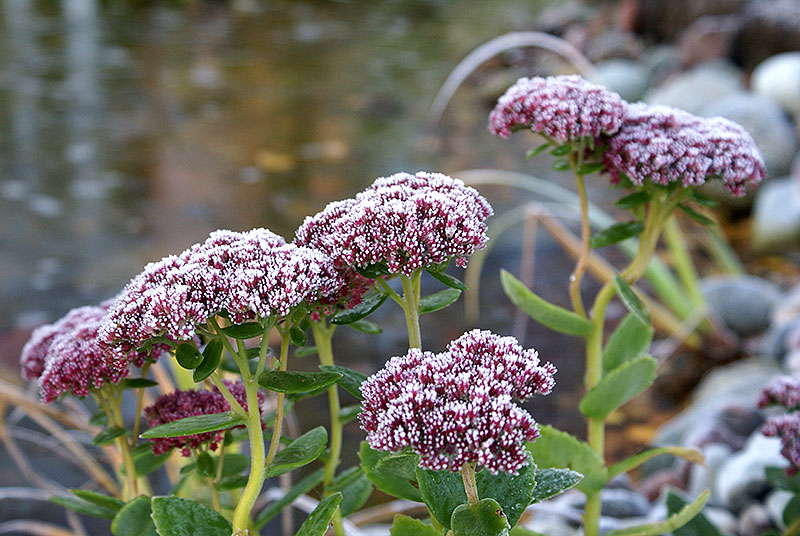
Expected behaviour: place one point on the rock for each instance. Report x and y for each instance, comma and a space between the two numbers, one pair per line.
754, 521
766, 122
708, 38
778, 78
621, 503
660, 61
652, 485
743, 303
666, 19
775, 502
549, 524
725, 521
696, 88
788, 308
741, 479
769, 27
779, 341
626, 77
776, 219
703, 477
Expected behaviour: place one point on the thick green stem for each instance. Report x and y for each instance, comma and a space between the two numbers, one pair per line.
258, 461
411, 290
323, 334
139, 403
673, 237
470, 485
583, 257
113, 403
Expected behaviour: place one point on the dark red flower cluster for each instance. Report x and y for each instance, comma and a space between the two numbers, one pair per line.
405, 221
181, 404
784, 391
459, 406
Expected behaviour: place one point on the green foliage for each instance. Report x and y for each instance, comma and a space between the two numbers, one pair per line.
408, 526
438, 300
672, 523
107, 436
205, 465
302, 451
350, 379
137, 383
448, 280
549, 315
83, 507
300, 488
188, 356
619, 386
175, 516
397, 480
295, 382
355, 492
112, 503
616, 233
145, 462
698, 526
557, 449
631, 300
362, 310
631, 339
134, 519
634, 200
316, 524
484, 518
365, 326
212, 355
552, 482
298, 335
245, 331
197, 424
696, 216
442, 492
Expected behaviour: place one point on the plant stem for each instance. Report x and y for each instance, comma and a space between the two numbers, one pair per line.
583, 258
323, 333
673, 237
114, 402
215, 481
411, 290
139, 403
258, 462
470, 485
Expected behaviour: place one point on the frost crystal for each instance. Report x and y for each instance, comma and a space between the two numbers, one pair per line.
665, 145
251, 274
181, 404
459, 406
563, 108
66, 356
405, 221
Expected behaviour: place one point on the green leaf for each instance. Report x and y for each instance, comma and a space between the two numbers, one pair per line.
630, 339
355, 494
300, 488
692, 213
522, 531
350, 380
631, 300
248, 330
448, 280
703, 199
83, 507
205, 465
137, 383
134, 519
316, 524
547, 314
443, 491
349, 413
303, 450
234, 463
791, 512
408, 526
388, 478
365, 326
636, 199
552, 482
306, 351
628, 464
619, 386
188, 356
778, 477
587, 168
672, 523
194, 425
99, 419
557, 449
562, 150
616, 233
293, 381
112, 503
108, 435
699, 526
175, 516
484, 518
438, 300
298, 336
561, 164
374, 271
362, 310
212, 355
232, 482
531, 153
145, 462
345, 478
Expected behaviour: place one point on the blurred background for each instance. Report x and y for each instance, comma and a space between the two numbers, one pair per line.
131, 129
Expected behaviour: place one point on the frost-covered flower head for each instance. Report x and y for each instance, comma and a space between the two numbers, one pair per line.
459, 406
405, 221
665, 145
66, 356
786, 427
250, 274
563, 108
181, 404
782, 391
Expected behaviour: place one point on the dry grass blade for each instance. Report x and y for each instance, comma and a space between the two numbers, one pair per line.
384, 513
34, 527
19, 457
494, 47
29, 402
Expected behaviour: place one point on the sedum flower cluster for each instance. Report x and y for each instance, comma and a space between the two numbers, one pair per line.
784, 391
459, 406
638, 143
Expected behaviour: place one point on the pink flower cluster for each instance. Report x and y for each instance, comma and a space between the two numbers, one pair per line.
251, 274
181, 404
405, 221
784, 391
563, 108
459, 406
665, 145
66, 356
639, 142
